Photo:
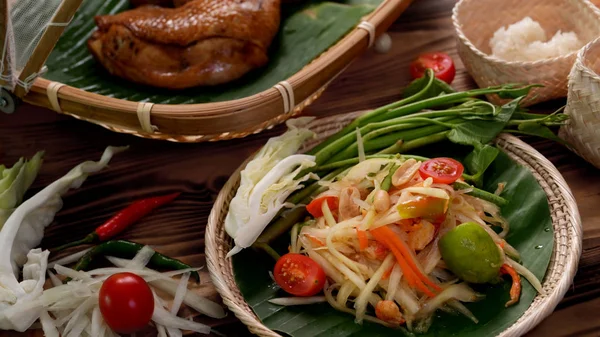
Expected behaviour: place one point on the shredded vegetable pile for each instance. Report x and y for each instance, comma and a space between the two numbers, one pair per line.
72, 309
380, 233
84, 303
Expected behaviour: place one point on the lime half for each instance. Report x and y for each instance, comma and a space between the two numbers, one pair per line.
471, 254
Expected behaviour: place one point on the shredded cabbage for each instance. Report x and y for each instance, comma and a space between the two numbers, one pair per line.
268, 179
192, 299
23, 231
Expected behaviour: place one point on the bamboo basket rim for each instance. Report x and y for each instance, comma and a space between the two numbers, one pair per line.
498, 61
566, 222
581, 56
232, 107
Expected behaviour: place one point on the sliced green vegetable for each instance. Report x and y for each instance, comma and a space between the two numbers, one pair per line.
15, 181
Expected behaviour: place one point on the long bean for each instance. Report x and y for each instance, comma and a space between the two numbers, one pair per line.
353, 161
394, 133
402, 108
481, 194
402, 147
394, 124
360, 121
390, 140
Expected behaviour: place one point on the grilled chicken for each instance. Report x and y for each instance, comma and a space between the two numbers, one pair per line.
162, 3
203, 42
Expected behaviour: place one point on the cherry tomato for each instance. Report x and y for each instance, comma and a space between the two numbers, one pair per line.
315, 207
299, 275
441, 64
441, 170
126, 302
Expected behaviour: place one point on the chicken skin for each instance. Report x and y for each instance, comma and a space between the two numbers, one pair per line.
203, 42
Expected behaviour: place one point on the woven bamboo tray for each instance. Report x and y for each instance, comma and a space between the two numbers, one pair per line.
474, 34
583, 104
568, 234
221, 120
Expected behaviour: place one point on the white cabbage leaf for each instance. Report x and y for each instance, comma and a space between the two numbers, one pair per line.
24, 230
266, 181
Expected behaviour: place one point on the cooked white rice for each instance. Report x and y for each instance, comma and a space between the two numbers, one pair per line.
526, 40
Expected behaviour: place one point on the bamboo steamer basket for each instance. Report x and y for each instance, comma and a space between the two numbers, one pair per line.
221, 120
566, 222
583, 104
476, 21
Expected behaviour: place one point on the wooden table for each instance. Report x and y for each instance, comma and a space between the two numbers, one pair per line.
199, 170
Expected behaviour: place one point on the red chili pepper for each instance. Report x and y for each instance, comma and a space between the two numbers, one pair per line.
120, 221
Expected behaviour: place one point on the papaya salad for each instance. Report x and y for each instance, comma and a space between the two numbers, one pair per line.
396, 240
385, 236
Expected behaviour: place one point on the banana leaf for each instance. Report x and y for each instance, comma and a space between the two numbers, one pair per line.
306, 31
531, 233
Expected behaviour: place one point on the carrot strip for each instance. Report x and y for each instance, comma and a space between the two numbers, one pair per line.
405, 250
316, 241
416, 280
515, 289
409, 274
363, 240
387, 273
403, 265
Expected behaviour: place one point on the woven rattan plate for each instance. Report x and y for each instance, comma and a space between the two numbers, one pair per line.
559, 276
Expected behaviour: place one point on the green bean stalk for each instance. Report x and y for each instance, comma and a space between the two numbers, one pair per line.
431, 112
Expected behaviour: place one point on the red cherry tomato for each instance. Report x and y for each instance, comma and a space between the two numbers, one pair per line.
315, 207
441, 64
441, 170
126, 302
299, 275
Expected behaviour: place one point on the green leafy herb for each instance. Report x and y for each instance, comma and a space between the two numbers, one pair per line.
431, 85
475, 132
536, 129
479, 160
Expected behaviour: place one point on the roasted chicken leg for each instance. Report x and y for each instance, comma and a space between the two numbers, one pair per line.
203, 42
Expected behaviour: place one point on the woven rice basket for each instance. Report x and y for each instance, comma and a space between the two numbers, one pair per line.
476, 21
565, 218
583, 104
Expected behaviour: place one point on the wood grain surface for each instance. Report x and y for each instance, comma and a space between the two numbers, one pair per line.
199, 170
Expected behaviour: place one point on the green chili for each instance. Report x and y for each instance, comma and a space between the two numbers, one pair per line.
127, 249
